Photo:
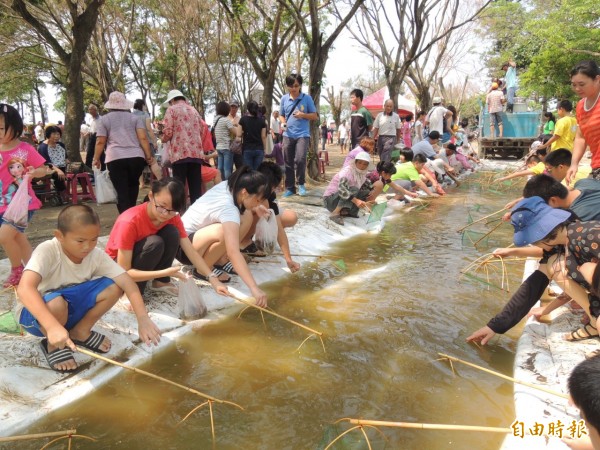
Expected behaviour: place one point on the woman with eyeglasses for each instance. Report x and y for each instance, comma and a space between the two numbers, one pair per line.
146, 238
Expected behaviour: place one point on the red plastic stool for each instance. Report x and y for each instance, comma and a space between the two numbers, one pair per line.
322, 166
87, 191
326, 159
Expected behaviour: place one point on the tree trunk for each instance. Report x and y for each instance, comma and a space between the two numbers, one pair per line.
36, 87
74, 113
314, 89
32, 107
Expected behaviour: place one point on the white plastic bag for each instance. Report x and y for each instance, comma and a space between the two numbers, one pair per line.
269, 145
105, 191
265, 236
190, 303
17, 212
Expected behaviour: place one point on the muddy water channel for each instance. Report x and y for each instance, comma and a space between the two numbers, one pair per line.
385, 317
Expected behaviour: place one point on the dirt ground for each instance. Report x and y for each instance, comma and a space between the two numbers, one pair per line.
43, 224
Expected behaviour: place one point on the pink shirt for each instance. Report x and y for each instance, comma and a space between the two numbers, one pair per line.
183, 130
25, 155
494, 101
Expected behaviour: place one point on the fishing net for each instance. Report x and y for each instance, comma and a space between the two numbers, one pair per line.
8, 323
470, 238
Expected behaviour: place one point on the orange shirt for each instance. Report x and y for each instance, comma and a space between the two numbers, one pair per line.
589, 124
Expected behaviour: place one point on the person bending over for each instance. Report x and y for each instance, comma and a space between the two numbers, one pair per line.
69, 284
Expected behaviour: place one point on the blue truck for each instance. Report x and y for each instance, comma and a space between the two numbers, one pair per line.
521, 128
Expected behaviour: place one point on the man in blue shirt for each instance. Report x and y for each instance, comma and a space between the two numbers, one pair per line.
510, 79
296, 110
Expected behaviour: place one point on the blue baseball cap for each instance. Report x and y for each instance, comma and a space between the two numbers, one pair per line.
533, 220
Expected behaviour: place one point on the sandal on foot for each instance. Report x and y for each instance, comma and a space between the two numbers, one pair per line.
227, 268
215, 272
57, 356
337, 219
581, 334
253, 250
166, 289
93, 342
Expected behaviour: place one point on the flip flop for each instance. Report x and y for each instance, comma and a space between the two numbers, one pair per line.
57, 356
93, 342
581, 334
166, 289
215, 271
227, 268
253, 250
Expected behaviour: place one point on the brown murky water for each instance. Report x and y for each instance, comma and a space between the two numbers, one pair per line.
398, 303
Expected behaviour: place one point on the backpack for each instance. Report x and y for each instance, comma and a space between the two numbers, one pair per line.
212, 133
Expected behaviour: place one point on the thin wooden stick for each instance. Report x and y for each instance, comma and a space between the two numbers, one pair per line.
481, 220
487, 234
273, 313
156, 377
425, 426
366, 437
70, 438
24, 437
504, 377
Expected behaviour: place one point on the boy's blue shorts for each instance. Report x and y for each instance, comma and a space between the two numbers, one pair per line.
80, 298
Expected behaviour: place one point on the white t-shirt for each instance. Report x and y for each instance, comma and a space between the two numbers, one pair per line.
85, 129
39, 133
387, 124
418, 130
343, 132
442, 155
436, 119
275, 125
215, 206
57, 270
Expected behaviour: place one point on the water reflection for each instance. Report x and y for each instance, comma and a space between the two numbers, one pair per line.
385, 318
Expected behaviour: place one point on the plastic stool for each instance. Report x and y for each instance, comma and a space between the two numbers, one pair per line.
87, 191
322, 166
326, 159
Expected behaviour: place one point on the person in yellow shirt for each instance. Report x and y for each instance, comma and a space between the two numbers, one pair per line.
564, 130
558, 163
535, 166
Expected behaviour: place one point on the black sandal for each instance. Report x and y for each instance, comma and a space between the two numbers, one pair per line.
216, 272
253, 250
227, 268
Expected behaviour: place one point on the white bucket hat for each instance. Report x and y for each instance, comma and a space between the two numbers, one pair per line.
172, 94
117, 100
436, 100
363, 156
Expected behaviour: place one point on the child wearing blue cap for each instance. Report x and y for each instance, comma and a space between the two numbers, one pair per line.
538, 224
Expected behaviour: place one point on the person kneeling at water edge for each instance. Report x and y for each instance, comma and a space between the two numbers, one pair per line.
409, 172
145, 239
349, 189
217, 222
285, 218
68, 285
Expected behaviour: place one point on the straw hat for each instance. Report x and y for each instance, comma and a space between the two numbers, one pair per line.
117, 100
172, 94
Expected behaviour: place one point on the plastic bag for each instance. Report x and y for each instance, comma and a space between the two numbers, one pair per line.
190, 303
269, 146
105, 191
265, 235
17, 212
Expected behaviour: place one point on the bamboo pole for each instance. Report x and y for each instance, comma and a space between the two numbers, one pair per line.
24, 437
505, 377
248, 302
425, 426
487, 234
156, 377
273, 313
480, 220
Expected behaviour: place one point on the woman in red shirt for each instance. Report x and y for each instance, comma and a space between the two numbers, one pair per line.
585, 81
145, 239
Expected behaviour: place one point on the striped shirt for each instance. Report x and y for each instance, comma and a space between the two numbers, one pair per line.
589, 124
222, 133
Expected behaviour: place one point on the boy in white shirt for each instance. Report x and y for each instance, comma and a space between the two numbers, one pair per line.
68, 285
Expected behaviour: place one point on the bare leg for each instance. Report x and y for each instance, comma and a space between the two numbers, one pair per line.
12, 241
59, 309
104, 302
500, 128
289, 218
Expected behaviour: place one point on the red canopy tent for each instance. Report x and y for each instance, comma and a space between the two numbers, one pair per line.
374, 103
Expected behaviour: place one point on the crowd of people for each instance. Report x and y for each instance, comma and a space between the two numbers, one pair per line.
66, 284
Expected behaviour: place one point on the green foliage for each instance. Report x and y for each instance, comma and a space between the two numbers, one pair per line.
545, 39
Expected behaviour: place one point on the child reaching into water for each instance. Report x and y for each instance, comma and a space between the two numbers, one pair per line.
16, 158
69, 284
